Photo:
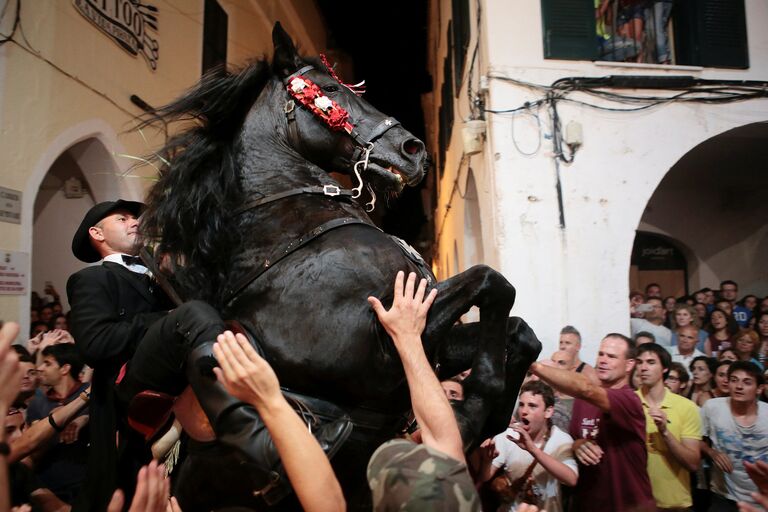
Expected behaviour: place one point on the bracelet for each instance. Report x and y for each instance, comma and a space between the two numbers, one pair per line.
85, 396
56, 427
5, 449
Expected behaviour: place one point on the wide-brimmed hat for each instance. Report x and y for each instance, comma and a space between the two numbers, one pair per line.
81, 242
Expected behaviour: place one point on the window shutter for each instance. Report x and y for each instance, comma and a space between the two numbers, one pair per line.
569, 29
214, 35
723, 34
461, 34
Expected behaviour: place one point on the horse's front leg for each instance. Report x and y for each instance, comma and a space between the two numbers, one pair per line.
487, 289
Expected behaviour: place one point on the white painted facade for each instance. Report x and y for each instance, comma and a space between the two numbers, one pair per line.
65, 109
579, 274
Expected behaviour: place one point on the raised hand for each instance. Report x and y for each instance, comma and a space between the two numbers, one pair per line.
406, 319
243, 372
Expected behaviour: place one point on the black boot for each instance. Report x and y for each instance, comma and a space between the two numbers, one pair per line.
239, 426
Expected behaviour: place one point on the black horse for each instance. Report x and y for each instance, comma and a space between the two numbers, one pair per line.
251, 221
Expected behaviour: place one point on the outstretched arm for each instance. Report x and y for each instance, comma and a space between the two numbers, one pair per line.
405, 322
573, 384
248, 377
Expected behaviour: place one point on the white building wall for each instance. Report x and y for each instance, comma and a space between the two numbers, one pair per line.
577, 275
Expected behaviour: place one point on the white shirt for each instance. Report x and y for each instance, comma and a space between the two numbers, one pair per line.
662, 334
684, 360
118, 258
514, 461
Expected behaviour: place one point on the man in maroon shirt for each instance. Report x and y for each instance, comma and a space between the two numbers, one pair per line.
608, 426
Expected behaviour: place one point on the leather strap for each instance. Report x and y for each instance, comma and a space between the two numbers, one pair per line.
292, 247
325, 190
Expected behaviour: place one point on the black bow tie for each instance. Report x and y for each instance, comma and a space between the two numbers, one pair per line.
132, 260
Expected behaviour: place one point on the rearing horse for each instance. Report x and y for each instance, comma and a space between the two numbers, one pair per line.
253, 223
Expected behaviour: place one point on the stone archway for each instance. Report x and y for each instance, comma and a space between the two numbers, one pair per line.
713, 201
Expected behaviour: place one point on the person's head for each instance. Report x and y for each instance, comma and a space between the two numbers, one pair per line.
762, 325
677, 378
34, 316
669, 303
535, 406
657, 313
746, 381
701, 311
570, 339
636, 298
56, 307
46, 313
763, 306
653, 290
727, 354
61, 361
454, 390
615, 359
703, 370
108, 228
725, 305
14, 425
749, 302
709, 295
686, 315
28, 370
38, 328
721, 320
687, 337
700, 297
60, 322
643, 337
729, 290
747, 344
722, 382
563, 359
652, 363
407, 476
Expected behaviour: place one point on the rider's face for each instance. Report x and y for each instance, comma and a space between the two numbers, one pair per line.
118, 232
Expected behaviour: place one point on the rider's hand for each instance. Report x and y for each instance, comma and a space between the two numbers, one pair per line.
243, 372
407, 317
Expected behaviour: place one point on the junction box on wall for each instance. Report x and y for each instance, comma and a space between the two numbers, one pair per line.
473, 135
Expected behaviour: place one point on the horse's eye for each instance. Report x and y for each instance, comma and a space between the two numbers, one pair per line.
330, 88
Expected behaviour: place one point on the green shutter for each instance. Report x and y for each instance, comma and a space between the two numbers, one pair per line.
569, 29
723, 34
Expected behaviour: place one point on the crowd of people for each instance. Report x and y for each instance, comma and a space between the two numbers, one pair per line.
634, 30
669, 418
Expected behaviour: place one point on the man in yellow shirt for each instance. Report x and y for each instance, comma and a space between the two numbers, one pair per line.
673, 429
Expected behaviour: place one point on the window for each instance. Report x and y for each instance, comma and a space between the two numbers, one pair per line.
214, 35
446, 101
461, 35
698, 33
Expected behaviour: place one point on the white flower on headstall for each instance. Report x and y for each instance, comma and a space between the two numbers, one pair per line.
298, 85
323, 103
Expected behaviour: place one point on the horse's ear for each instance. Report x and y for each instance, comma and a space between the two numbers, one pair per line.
286, 59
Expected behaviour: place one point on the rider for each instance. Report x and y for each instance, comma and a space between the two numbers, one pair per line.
122, 324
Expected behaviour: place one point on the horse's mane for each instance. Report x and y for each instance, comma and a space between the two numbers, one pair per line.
189, 209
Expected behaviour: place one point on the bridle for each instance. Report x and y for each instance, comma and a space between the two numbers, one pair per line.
306, 93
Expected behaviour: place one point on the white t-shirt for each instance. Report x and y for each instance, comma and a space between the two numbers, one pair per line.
677, 357
515, 461
738, 443
662, 334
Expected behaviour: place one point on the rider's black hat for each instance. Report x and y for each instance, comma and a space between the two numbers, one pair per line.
81, 242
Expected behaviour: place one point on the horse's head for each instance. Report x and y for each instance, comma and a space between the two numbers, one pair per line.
334, 128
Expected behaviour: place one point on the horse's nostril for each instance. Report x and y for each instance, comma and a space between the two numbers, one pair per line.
412, 147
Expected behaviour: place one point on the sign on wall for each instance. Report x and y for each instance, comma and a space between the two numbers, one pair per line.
10, 205
14, 272
131, 24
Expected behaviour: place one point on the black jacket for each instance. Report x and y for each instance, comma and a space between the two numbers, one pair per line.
111, 310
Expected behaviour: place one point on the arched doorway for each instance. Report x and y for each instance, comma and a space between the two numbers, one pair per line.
712, 206
81, 176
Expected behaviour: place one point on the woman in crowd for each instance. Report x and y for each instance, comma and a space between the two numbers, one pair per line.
727, 354
669, 304
761, 326
721, 379
722, 327
747, 346
684, 316
702, 369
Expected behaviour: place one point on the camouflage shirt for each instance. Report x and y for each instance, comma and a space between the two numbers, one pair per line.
405, 476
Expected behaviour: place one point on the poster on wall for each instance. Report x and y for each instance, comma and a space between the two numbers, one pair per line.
14, 272
129, 23
10, 205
